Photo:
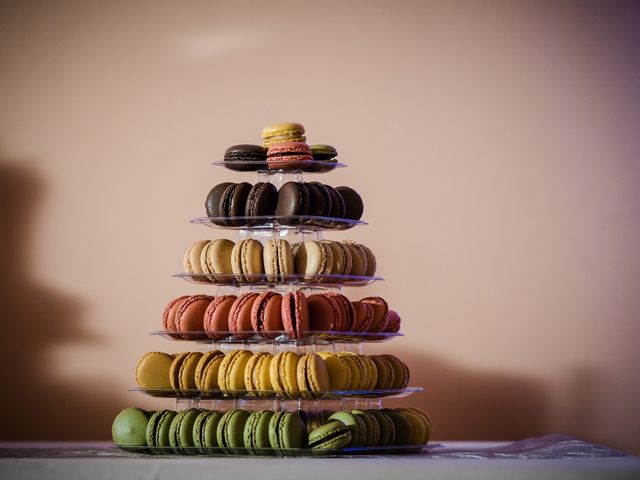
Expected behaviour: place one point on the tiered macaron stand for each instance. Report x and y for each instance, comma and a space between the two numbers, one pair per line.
294, 230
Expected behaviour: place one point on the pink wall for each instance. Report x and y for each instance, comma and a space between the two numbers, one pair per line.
495, 143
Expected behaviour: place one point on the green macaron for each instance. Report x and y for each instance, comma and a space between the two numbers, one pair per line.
158, 430
330, 436
256, 432
387, 428
230, 432
181, 431
205, 429
287, 431
129, 428
356, 424
372, 427
401, 425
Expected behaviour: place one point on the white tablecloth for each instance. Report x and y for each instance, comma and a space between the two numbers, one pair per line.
99, 460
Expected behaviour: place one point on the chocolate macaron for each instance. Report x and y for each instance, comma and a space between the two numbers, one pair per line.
261, 201
320, 199
293, 200
212, 202
233, 202
245, 157
352, 201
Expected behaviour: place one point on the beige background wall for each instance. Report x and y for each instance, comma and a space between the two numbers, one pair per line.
495, 143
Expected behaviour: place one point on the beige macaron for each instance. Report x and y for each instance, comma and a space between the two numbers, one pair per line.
278, 259
247, 260
216, 258
191, 260
313, 258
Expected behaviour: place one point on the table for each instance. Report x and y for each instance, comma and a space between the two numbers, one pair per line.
549, 457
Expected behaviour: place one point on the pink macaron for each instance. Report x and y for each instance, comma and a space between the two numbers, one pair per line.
289, 156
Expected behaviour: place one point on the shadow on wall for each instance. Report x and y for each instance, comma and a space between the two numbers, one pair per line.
474, 404
37, 320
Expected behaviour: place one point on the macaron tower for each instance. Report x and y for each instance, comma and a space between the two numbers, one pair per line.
272, 352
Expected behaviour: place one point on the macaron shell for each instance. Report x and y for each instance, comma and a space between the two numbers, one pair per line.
330, 436
256, 432
339, 371
174, 371
169, 316
402, 427
274, 373
287, 431
372, 372
364, 373
400, 371
153, 369
282, 131
320, 199
418, 427
380, 313
252, 259
249, 368
212, 202
364, 316
216, 258
358, 259
393, 322
230, 432
245, 157
386, 377
210, 431
293, 199
198, 430
356, 425
190, 316
216, 316
191, 259
129, 428
285, 257
347, 312
287, 374
204, 361
261, 376
266, 314
356, 372
187, 372
317, 373
324, 313
337, 203
295, 314
231, 373
387, 428
341, 262
371, 261
373, 428
210, 372
354, 207
240, 315
312, 258
262, 200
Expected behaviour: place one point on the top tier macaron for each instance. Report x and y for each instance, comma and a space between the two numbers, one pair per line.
283, 148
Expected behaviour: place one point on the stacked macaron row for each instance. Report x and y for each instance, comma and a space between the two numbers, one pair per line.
403, 427
245, 204
267, 432
283, 147
271, 315
249, 261
197, 431
243, 373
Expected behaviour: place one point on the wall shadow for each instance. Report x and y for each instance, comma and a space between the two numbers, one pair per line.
38, 320
472, 404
